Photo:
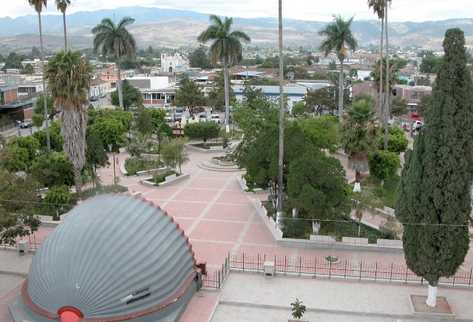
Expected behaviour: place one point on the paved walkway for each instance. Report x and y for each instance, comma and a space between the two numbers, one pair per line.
220, 218
254, 298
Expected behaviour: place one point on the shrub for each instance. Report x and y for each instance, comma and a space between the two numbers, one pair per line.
53, 169
383, 164
57, 201
298, 309
134, 165
203, 131
160, 178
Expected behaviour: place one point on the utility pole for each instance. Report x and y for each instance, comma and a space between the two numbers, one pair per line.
282, 112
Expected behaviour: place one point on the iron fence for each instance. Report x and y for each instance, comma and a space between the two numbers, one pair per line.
331, 267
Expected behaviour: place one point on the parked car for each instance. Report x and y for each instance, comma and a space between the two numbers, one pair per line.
215, 118
26, 125
203, 117
178, 113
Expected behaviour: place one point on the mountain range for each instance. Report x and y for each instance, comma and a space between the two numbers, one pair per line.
176, 28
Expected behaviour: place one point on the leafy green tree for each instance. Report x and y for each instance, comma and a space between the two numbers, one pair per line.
189, 94
111, 132
299, 109
53, 169
338, 38
38, 110
20, 153
199, 58
434, 201
57, 141
18, 198
160, 128
57, 200
226, 48
397, 141
13, 61
320, 100
131, 96
69, 75
323, 132
430, 63
317, 187
96, 153
399, 106
143, 121
115, 41
383, 164
202, 131
173, 154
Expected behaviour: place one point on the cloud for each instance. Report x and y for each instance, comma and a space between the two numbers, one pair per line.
402, 10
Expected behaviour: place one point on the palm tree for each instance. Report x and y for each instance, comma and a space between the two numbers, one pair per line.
62, 6
359, 135
387, 100
282, 113
339, 39
69, 75
226, 48
116, 41
38, 6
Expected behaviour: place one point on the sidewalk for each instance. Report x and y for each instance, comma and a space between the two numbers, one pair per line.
326, 300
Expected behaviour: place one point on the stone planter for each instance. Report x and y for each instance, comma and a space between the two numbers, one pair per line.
293, 320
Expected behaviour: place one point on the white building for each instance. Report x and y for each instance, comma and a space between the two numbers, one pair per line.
174, 63
157, 91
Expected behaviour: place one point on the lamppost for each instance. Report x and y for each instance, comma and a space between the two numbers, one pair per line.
281, 122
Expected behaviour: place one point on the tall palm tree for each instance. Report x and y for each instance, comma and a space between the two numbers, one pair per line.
69, 75
116, 41
387, 100
378, 9
62, 6
38, 6
282, 113
339, 39
226, 48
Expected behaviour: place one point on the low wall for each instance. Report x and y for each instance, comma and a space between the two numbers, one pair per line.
169, 180
320, 241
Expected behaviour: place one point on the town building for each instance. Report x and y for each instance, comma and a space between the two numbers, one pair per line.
295, 92
412, 94
174, 63
12, 108
157, 91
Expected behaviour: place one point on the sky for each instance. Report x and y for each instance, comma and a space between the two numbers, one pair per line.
319, 10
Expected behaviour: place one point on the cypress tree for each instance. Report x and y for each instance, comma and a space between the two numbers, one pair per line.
435, 192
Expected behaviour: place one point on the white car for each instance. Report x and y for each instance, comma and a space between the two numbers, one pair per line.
203, 117
215, 118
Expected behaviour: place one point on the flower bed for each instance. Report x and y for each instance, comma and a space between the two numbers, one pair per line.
134, 165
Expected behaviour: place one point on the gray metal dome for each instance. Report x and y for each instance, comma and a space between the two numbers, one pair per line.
114, 258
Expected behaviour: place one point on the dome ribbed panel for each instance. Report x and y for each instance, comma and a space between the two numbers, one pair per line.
108, 248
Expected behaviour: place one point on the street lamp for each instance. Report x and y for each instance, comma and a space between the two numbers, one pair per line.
281, 122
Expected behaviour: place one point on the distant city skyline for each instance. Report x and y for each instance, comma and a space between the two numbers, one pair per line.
402, 10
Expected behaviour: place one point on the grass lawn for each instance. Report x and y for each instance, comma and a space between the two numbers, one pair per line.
378, 196
134, 165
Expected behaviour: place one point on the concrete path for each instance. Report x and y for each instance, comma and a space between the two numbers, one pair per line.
325, 300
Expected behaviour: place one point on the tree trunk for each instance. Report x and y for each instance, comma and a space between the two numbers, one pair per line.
119, 81
78, 181
73, 130
282, 113
65, 29
432, 296
341, 93
227, 95
45, 107
388, 85
381, 79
